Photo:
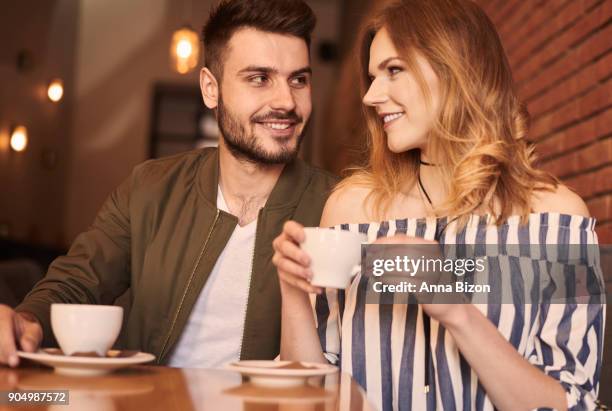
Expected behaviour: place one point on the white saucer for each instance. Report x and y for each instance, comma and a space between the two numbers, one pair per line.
85, 366
268, 373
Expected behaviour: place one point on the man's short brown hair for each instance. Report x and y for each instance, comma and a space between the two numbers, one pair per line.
290, 17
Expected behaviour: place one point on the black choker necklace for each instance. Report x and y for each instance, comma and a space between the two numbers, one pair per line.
423, 190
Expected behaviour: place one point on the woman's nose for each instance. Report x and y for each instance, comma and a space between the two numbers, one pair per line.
375, 95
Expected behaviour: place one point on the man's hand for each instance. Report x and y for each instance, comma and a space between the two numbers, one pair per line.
17, 330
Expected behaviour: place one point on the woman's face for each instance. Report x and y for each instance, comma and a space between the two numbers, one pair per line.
395, 94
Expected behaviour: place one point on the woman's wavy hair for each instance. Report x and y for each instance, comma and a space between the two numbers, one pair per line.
480, 135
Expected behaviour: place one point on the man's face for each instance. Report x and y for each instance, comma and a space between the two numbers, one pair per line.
264, 96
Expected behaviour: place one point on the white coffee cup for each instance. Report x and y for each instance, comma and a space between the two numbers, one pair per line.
82, 328
334, 254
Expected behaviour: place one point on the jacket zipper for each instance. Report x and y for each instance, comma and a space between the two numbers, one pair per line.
250, 282
178, 311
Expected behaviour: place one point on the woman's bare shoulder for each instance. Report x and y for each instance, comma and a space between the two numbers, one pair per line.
560, 200
347, 204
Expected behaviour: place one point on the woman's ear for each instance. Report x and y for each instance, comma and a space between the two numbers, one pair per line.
210, 88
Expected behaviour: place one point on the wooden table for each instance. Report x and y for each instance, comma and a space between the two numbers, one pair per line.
182, 389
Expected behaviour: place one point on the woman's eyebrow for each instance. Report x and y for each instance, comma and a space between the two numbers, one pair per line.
383, 64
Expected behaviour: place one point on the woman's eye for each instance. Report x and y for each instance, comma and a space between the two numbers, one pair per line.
393, 70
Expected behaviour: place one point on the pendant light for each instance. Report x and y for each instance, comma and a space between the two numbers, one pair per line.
185, 46
19, 138
55, 90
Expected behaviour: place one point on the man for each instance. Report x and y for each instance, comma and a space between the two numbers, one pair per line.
191, 235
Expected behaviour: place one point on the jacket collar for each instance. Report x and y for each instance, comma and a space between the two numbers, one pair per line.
286, 191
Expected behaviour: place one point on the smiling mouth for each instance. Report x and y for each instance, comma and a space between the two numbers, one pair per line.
277, 125
391, 117
279, 128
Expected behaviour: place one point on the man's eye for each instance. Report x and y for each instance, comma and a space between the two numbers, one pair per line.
258, 80
299, 81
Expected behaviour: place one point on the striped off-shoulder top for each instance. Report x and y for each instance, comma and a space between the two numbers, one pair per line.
383, 345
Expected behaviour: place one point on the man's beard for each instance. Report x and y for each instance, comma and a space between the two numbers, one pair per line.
248, 147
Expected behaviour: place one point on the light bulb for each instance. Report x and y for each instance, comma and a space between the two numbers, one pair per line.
55, 91
19, 138
184, 50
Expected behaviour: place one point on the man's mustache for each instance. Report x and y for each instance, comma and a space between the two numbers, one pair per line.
277, 115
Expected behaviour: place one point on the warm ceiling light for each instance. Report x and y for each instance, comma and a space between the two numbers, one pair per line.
55, 91
184, 50
19, 138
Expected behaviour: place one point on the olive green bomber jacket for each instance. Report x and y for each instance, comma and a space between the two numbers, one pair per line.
160, 234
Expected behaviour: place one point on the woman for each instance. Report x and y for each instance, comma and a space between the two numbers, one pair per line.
448, 163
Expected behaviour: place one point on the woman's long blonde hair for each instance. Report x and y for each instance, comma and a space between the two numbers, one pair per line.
480, 135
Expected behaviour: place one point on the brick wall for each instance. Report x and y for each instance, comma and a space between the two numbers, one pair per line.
561, 56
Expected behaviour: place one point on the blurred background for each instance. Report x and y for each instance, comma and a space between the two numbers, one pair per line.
90, 88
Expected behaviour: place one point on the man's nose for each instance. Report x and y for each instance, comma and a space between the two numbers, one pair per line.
283, 98
376, 94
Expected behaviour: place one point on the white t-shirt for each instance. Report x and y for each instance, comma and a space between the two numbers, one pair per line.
213, 333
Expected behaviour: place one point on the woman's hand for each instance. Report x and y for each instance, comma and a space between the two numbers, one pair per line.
446, 314
293, 263
299, 341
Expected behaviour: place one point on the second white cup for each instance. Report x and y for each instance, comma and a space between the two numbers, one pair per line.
82, 328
